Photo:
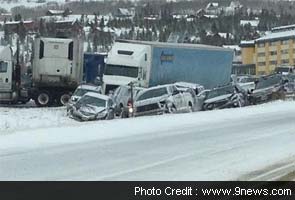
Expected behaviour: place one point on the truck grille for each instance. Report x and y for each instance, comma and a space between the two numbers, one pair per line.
150, 107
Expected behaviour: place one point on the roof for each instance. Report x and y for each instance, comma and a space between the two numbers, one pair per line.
17, 22
56, 12
89, 87
277, 36
96, 95
249, 43
253, 23
175, 45
279, 28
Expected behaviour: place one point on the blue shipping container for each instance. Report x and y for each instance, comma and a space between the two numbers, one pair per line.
94, 65
209, 67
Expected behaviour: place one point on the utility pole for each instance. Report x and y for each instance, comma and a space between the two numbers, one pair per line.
131, 84
17, 66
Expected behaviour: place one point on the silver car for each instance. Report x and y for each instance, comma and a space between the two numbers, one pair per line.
80, 91
92, 106
161, 99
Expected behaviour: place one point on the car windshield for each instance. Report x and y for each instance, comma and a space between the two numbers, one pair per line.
94, 101
80, 92
246, 79
120, 70
265, 82
220, 91
153, 93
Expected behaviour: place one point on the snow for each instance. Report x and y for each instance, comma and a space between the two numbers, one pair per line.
213, 145
19, 119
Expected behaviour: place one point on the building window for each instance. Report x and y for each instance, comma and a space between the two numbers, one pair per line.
261, 63
262, 54
285, 51
273, 43
273, 53
285, 42
273, 62
261, 45
285, 61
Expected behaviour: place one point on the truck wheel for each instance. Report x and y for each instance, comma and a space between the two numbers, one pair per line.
63, 99
43, 99
190, 107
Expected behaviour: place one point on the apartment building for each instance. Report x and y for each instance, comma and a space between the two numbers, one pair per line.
275, 49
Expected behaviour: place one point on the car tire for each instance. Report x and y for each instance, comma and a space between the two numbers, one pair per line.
190, 107
209, 107
171, 109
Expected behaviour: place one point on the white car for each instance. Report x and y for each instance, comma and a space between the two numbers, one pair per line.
161, 99
122, 99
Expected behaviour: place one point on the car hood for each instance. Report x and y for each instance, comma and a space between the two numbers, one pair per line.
89, 109
218, 98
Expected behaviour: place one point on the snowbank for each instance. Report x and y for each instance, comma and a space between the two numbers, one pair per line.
50, 126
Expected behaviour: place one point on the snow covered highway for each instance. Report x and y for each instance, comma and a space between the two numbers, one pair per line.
232, 144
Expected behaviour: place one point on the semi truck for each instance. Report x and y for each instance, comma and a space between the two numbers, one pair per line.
155, 63
57, 69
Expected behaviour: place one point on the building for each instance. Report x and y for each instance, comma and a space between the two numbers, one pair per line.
274, 49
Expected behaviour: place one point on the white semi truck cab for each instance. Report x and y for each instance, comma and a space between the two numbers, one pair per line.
57, 69
127, 62
7, 93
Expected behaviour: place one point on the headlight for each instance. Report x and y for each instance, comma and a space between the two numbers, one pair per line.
101, 115
130, 110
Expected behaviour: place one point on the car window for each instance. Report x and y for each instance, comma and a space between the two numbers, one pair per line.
80, 92
265, 82
220, 91
153, 93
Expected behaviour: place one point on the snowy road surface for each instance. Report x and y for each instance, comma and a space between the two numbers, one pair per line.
215, 145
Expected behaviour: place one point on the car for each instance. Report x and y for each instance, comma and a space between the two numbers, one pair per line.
162, 99
92, 106
246, 82
122, 99
226, 96
195, 90
80, 91
267, 88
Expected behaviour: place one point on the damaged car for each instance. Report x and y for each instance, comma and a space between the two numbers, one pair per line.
80, 91
162, 99
92, 106
268, 88
123, 100
227, 96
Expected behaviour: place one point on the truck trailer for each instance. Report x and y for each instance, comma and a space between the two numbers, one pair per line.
57, 69
149, 64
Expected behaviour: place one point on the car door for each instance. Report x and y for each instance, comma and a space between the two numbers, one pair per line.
177, 97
